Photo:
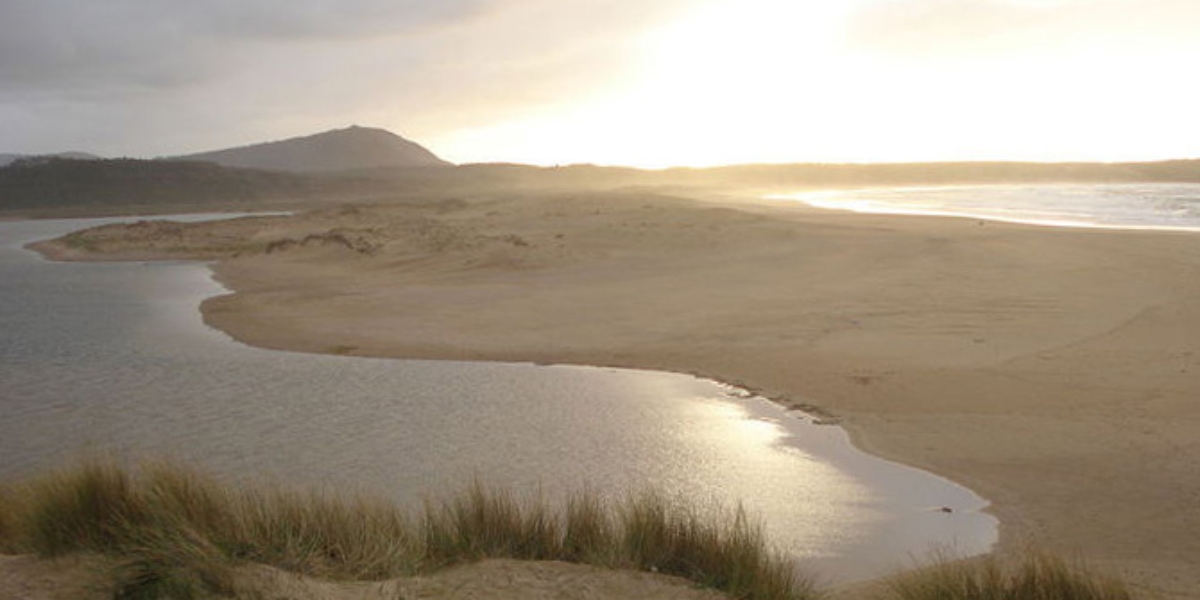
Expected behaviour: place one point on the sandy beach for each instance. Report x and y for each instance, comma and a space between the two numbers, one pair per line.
1054, 371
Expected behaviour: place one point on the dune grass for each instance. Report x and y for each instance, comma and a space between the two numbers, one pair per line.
1039, 576
8, 512
179, 533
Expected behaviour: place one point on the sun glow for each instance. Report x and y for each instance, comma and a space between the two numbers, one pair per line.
708, 86
738, 81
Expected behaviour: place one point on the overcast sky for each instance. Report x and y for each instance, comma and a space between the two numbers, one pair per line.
649, 83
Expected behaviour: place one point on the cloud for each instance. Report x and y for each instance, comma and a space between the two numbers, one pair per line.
150, 77
972, 29
79, 45
120, 74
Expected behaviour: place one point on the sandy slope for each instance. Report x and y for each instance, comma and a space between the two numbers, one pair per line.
76, 578
73, 578
1055, 371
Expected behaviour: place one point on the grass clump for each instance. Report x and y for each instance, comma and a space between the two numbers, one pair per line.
483, 523
323, 536
87, 508
588, 531
8, 511
659, 536
1038, 577
180, 534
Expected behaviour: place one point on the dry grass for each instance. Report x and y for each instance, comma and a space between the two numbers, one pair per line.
180, 533
1038, 577
656, 535
8, 512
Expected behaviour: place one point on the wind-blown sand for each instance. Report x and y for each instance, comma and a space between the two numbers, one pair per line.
1054, 371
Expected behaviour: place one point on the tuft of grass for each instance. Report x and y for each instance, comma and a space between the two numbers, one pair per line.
483, 523
8, 512
86, 508
589, 533
172, 562
729, 554
180, 533
315, 534
1038, 577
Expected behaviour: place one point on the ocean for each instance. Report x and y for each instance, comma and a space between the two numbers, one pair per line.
1151, 206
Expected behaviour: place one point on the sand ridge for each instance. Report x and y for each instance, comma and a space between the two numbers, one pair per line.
90, 578
1054, 371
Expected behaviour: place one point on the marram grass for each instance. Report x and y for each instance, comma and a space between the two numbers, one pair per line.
179, 533
1038, 577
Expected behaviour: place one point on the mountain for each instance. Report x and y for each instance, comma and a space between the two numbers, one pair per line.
337, 150
7, 159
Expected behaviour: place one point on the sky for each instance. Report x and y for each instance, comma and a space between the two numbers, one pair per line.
652, 83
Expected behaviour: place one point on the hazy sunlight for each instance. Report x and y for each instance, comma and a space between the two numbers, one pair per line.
852, 81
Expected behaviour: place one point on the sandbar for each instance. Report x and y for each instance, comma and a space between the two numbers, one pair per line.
1054, 371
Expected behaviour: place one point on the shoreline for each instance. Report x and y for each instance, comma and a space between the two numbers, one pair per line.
1008, 359
1068, 217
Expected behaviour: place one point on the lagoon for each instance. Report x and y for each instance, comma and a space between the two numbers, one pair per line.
114, 358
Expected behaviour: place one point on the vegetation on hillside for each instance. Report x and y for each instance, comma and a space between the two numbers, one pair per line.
180, 533
57, 183
102, 186
1038, 577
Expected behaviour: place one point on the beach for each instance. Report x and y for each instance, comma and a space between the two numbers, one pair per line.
1054, 371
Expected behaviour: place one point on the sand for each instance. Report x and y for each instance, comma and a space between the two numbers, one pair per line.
1055, 371
90, 578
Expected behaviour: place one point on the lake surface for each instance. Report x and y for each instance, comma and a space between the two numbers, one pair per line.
1171, 206
114, 358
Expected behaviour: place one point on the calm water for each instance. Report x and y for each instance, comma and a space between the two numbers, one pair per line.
114, 358
1132, 206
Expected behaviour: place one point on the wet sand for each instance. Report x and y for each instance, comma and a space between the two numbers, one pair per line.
1054, 371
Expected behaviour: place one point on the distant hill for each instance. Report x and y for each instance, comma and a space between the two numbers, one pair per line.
347, 149
47, 185
8, 159
60, 186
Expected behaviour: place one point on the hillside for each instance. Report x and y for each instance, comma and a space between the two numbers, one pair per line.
97, 187
347, 149
7, 159
54, 185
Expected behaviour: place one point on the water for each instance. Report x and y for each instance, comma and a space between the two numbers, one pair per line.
1170, 206
114, 358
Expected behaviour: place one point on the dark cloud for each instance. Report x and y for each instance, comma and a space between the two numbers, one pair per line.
117, 74
324, 18
148, 76
61, 45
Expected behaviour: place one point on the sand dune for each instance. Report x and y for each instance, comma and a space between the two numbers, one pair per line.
1054, 371
89, 578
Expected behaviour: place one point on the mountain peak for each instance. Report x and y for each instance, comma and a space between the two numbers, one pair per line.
353, 147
